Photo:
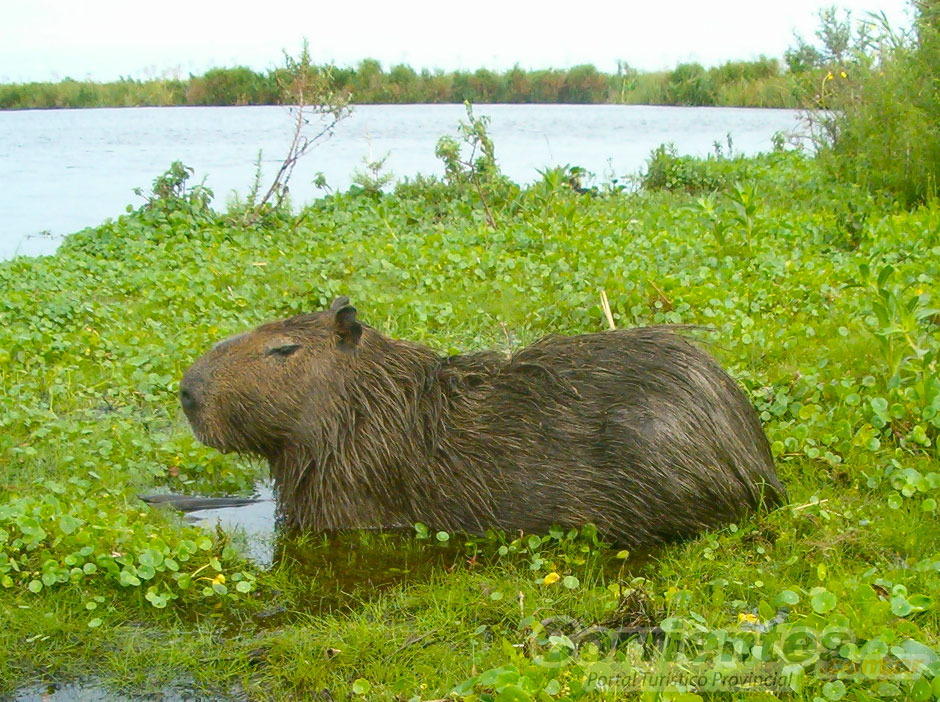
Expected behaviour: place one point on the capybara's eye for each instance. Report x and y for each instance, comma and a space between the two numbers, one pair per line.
285, 350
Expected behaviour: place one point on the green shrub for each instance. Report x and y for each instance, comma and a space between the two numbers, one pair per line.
882, 128
667, 170
690, 84
759, 83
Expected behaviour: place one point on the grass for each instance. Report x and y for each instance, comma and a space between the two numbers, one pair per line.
818, 297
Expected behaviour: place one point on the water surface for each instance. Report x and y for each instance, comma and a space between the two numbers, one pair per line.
63, 170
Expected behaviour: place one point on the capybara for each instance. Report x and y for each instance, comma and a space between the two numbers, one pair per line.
637, 431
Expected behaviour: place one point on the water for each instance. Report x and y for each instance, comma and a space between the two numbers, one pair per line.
344, 568
253, 524
63, 170
96, 691
340, 567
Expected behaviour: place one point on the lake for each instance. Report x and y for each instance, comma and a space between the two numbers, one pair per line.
64, 170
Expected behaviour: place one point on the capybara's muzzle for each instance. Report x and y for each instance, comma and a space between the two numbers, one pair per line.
191, 395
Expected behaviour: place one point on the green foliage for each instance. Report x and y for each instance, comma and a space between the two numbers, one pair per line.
374, 178
480, 164
667, 170
689, 84
170, 194
759, 83
232, 86
905, 323
478, 168
820, 299
52, 539
883, 108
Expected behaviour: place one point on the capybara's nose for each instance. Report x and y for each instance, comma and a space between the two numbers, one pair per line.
187, 399
188, 396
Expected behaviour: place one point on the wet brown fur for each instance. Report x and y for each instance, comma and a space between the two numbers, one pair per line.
637, 431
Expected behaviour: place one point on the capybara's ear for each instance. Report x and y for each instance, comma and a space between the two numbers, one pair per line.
347, 326
339, 302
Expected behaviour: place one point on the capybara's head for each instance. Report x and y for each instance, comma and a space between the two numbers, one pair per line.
252, 392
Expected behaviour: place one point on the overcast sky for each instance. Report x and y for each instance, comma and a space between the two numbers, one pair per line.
105, 39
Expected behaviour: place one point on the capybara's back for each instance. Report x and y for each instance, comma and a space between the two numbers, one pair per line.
637, 431
656, 440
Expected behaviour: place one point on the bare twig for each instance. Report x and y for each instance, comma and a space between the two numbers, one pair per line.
300, 146
310, 92
662, 296
605, 305
508, 340
469, 165
299, 220
486, 207
810, 504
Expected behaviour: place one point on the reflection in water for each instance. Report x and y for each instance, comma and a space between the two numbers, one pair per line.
252, 526
343, 569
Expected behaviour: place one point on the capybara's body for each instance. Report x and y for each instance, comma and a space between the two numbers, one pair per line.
638, 431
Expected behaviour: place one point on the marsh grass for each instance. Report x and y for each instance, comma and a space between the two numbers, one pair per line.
760, 83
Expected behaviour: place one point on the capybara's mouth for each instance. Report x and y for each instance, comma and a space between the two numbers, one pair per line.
215, 443
206, 437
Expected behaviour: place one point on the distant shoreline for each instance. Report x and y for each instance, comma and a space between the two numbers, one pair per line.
764, 83
400, 104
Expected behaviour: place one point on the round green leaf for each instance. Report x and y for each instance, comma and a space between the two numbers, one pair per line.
823, 601
361, 686
900, 607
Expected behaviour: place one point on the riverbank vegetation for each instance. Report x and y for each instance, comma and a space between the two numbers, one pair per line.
818, 291
884, 118
760, 83
764, 82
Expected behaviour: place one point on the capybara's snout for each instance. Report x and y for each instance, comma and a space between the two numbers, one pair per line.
188, 399
190, 394
194, 400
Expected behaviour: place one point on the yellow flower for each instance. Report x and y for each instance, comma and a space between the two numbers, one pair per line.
747, 617
551, 578
829, 76
843, 74
218, 579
